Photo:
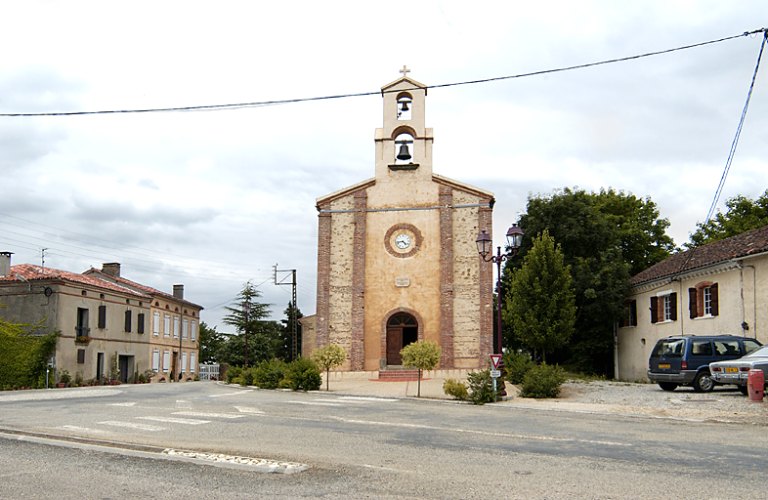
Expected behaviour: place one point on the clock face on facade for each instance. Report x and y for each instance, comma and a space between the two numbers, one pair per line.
403, 240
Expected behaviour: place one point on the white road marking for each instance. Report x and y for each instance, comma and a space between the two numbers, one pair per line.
171, 420
235, 393
208, 415
132, 425
248, 409
310, 403
79, 393
123, 404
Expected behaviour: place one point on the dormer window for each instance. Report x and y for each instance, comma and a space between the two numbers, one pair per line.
403, 149
404, 106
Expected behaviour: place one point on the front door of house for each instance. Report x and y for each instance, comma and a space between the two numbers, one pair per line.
402, 329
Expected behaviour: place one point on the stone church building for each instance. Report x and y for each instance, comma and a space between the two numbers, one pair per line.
397, 259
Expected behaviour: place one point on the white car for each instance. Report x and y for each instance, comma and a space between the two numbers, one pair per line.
736, 371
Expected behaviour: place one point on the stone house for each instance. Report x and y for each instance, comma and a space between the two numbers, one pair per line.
719, 288
104, 324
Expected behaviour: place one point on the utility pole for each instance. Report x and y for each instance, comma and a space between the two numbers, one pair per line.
42, 257
294, 320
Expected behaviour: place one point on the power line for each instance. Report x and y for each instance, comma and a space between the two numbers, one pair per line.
221, 107
735, 142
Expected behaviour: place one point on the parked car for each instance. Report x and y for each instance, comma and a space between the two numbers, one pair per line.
737, 370
685, 359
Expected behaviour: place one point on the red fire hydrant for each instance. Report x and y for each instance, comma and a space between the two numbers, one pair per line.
755, 384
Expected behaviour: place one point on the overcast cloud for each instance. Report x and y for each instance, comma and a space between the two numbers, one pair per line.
212, 199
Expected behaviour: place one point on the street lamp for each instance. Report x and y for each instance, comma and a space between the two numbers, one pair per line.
484, 248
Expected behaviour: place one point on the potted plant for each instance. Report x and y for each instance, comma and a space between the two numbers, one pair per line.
64, 379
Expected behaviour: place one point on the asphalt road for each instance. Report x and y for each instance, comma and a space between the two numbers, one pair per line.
336, 446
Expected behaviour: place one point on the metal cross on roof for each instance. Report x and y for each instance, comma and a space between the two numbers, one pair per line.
405, 70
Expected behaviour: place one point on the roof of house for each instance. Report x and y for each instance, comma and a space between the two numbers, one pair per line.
119, 280
742, 245
30, 273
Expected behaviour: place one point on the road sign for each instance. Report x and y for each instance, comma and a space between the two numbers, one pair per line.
495, 360
495, 373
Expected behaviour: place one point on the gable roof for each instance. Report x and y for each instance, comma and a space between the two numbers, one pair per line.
747, 244
148, 290
30, 272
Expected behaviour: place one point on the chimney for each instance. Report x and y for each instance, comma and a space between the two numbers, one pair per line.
5, 263
178, 292
111, 268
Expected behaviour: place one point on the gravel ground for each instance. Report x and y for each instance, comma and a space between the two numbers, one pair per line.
724, 404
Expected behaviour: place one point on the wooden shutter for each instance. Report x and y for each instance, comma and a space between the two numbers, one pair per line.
102, 316
654, 309
673, 306
714, 300
693, 307
633, 313
127, 321
140, 323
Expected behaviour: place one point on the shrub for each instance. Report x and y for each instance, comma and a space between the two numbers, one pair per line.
268, 374
543, 381
481, 387
303, 374
517, 364
456, 389
233, 373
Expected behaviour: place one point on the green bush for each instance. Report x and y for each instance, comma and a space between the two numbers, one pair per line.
517, 364
233, 373
268, 374
24, 353
456, 389
481, 387
543, 381
303, 374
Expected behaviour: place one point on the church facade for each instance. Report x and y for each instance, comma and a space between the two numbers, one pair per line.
397, 258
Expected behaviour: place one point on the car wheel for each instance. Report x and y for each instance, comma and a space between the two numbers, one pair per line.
668, 386
703, 382
743, 389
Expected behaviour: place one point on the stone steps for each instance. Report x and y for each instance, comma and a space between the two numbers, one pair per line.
399, 375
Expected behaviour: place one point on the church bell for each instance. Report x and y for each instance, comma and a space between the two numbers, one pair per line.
403, 154
404, 106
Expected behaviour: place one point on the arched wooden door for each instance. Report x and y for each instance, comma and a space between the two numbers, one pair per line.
402, 329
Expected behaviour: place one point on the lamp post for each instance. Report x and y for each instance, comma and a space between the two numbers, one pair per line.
484, 248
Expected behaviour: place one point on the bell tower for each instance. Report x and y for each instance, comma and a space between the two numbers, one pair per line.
404, 144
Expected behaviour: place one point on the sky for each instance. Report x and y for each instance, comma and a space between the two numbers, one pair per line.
214, 199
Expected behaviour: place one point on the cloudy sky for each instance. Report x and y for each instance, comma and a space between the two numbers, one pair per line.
212, 199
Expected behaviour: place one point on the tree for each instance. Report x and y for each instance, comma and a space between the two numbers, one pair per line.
24, 352
329, 357
742, 214
604, 237
541, 303
424, 355
211, 343
258, 339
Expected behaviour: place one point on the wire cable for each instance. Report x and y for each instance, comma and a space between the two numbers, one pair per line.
220, 107
735, 142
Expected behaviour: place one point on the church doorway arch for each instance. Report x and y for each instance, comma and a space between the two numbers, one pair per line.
402, 329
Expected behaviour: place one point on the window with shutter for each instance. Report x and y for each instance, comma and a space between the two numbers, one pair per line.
693, 308
654, 309
102, 317
127, 321
140, 323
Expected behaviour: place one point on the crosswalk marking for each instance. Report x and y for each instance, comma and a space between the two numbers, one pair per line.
314, 403
208, 415
366, 398
132, 425
248, 409
172, 420
82, 429
123, 404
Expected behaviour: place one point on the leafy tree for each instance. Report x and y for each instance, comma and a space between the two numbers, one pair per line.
211, 343
742, 214
604, 238
257, 339
541, 304
24, 353
424, 355
329, 357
